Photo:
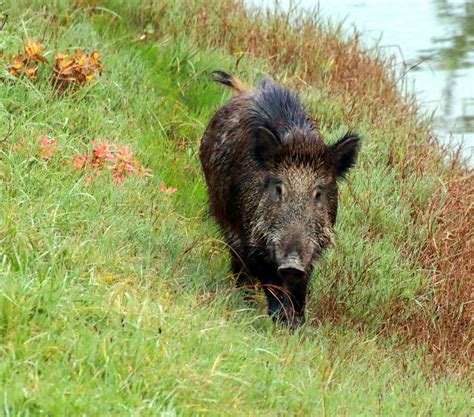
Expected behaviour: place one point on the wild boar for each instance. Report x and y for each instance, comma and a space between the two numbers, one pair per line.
273, 185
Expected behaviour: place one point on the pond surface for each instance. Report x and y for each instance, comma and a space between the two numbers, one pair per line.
435, 40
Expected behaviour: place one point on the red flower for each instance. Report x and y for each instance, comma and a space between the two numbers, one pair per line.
167, 190
102, 152
80, 161
118, 159
47, 146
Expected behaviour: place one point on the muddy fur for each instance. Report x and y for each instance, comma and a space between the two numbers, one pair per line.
272, 184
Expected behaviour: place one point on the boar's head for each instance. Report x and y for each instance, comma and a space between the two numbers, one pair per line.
298, 205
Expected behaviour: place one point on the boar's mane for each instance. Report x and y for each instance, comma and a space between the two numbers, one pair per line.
279, 110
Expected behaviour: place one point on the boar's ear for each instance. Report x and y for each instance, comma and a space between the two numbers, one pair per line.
344, 153
266, 146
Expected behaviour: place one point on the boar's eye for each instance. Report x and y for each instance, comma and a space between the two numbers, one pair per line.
275, 188
317, 195
279, 191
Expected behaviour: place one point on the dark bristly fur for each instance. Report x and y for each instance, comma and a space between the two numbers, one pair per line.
272, 185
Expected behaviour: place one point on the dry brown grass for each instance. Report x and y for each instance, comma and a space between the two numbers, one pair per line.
322, 59
449, 254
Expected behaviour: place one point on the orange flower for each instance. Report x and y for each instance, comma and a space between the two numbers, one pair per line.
33, 51
28, 63
16, 66
75, 70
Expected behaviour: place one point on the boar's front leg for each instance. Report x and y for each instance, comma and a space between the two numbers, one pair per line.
244, 280
286, 297
286, 303
237, 264
297, 297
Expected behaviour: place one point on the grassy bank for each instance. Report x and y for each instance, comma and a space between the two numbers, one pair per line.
115, 297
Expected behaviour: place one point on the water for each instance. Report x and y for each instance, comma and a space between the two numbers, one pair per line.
435, 40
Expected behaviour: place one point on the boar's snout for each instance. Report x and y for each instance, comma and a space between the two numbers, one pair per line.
292, 269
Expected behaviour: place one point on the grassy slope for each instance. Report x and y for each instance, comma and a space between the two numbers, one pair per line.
116, 299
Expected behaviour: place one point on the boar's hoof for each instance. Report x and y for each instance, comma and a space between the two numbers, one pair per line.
288, 318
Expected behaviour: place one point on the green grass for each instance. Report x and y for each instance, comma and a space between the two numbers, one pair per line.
116, 299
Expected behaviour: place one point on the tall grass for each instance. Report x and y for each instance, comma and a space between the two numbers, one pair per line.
434, 187
115, 299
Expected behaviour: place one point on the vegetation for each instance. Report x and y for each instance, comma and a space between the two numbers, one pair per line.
115, 296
